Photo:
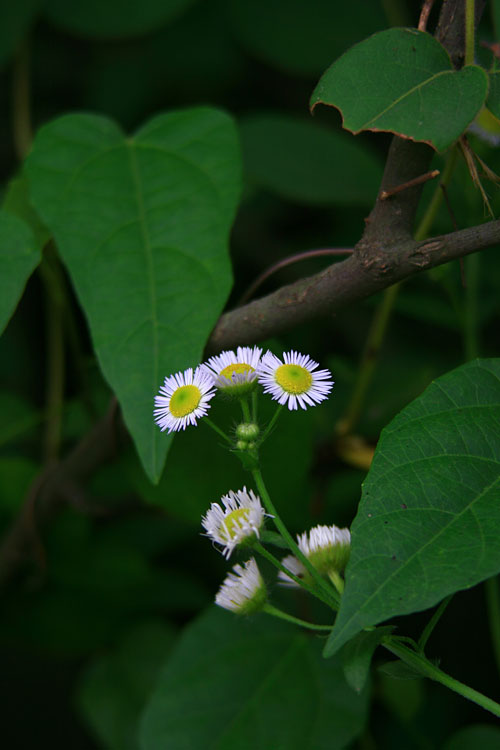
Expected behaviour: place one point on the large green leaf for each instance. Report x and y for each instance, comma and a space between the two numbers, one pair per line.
308, 163
142, 224
240, 685
19, 255
300, 37
114, 687
403, 81
429, 519
115, 18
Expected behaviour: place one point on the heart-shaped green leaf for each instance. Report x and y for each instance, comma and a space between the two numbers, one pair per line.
428, 523
250, 684
142, 224
19, 255
403, 81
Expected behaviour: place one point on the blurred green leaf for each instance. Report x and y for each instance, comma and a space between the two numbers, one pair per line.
16, 417
17, 202
493, 101
403, 81
429, 516
307, 163
112, 18
19, 255
115, 686
303, 38
232, 684
16, 20
142, 224
357, 656
475, 737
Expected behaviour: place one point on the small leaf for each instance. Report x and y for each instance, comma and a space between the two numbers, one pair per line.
482, 736
19, 255
403, 81
357, 656
429, 517
142, 224
250, 684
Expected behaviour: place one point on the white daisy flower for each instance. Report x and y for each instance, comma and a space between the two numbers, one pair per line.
327, 547
238, 522
295, 381
294, 566
184, 398
235, 373
244, 590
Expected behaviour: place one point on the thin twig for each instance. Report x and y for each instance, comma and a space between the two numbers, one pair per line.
424, 15
288, 261
411, 183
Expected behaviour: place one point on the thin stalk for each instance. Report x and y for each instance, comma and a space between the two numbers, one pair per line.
272, 422
54, 371
382, 315
427, 631
258, 547
427, 669
245, 409
271, 610
493, 605
471, 327
21, 112
331, 594
255, 405
469, 32
218, 430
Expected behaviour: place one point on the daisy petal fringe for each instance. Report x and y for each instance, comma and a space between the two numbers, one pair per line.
184, 398
295, 381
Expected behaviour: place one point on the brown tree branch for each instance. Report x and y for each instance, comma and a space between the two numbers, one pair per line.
370, 269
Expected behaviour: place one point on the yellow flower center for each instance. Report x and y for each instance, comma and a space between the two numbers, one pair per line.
231, 523
184, 400
237, 367
293, 378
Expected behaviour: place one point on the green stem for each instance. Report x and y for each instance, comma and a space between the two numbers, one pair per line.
369, 361
469, 32
258, 547
255, 404
426, 668
493, 604
322, 585
337, 581
218, 430
245, 410
295, 620
427, 631
21, 116
471, 333
54, 372
272, 422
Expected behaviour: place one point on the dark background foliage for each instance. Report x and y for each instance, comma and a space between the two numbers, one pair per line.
122, 568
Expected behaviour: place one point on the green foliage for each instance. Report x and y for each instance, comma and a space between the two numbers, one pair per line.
297, 159
247, 684
403, 81
19, 255
484, 736
142, 225
429, 513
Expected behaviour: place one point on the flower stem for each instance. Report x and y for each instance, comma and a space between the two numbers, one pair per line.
255, 403
428, 669
218, 430
322, 585
295, 620
299, 581
272, 422
245, 409
337, 581
426, 633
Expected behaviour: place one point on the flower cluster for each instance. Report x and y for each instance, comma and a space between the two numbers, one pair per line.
293, 381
